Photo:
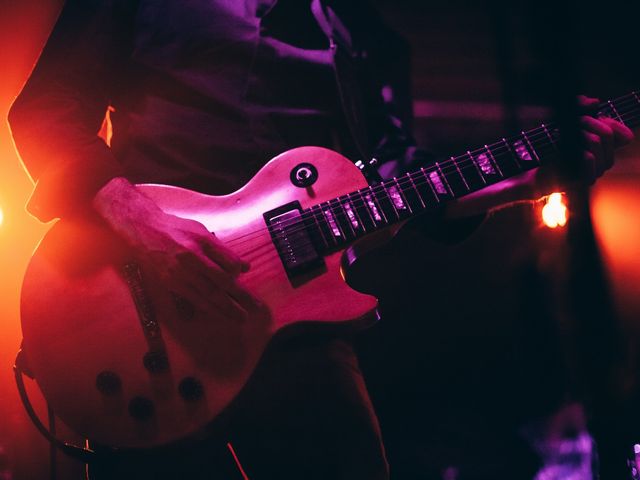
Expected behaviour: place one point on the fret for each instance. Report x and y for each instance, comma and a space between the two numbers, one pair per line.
504, 158
411, 194
471, 172
486, 167
453, 178
335, 222
364, 212
634, 120
453, 159
325, 229
427, 186
313, 226
353, 215
391, 196
615, 112
524, 135
625, 107
343, 219
373, 205
540, 141
492, 158
439, 178
385, 204
512, 153
437, 191
437, 183
521, 154
551, 140
402, 201
332, 221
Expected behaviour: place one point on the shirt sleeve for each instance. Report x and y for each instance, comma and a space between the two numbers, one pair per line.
56, 119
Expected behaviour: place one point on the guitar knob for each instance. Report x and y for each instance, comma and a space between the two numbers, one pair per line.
108, 383
191, 389
156, 361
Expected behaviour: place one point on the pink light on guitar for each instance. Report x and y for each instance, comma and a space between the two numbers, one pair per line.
555, 213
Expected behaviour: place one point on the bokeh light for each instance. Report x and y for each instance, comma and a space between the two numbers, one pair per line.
555, 213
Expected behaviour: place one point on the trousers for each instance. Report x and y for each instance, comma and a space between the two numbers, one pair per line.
305, 413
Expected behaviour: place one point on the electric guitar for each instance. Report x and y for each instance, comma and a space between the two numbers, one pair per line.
127, 363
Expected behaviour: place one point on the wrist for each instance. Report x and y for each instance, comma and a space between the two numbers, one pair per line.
123, 206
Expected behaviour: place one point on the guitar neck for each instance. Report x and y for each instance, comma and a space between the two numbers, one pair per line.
340, 221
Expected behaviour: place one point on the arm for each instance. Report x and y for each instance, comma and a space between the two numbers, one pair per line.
55, 123
601, 137
388, 101
182, 252
57, 116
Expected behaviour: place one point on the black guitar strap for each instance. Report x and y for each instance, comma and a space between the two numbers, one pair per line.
345, 59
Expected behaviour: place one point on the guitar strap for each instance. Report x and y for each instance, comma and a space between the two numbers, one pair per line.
345, 59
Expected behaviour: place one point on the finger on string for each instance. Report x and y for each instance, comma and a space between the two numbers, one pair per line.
223, 281
597, 126
213, 299
587, 102
247, 300
590, 167
224, 256
229, 285
594, 144
622, 134
191, 295
600, 138
215, 274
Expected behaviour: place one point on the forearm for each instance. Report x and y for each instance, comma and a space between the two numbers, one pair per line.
129, 213
66, 159
56, 118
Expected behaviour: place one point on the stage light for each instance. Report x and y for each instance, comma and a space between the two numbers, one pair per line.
554, 213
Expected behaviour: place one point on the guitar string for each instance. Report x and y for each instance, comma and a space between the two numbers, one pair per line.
355, 230
631, 100
339, 234
256, 263
342, 230
310, 249
403, 182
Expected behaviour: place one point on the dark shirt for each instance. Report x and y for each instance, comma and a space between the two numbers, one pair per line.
204, 93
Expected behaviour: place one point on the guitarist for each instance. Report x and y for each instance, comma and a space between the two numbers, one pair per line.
200, 95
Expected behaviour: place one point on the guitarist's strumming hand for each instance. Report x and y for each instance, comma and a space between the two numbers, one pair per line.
189, 259
602, 136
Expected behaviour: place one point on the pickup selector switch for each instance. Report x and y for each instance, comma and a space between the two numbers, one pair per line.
304, 175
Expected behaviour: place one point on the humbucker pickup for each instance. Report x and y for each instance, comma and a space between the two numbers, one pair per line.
292, 238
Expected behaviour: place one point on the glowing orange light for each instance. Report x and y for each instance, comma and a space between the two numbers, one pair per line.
1, 216
554, 213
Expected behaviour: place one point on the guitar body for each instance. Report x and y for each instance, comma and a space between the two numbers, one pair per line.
125, 362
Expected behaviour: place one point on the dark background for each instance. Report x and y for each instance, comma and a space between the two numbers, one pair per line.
488, 338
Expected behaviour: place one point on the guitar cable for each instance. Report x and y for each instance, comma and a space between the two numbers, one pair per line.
86, 455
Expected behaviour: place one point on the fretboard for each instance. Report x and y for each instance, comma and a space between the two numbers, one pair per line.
340, 221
